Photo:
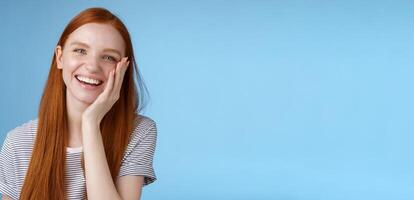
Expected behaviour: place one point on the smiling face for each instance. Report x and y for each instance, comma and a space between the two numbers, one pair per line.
89, 54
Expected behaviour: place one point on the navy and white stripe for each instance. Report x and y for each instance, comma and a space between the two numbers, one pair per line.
17, 148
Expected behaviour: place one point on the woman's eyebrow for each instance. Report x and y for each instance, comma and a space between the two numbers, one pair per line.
84, 44
114, 51
78, 43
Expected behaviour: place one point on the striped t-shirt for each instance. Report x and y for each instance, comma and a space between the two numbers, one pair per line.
17, 148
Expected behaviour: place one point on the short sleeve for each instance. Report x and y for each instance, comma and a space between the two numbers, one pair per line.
138, 158
8, 182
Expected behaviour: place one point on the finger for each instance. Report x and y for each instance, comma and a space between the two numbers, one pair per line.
117, 76
109, 84
122, 71
122, 74
121, 68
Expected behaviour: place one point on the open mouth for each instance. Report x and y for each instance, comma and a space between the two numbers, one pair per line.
88, 81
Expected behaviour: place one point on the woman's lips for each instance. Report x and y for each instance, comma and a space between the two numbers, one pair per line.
87, 85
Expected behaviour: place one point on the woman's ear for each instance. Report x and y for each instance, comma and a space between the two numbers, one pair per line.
58, 55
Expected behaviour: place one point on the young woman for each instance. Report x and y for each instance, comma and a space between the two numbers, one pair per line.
88, 142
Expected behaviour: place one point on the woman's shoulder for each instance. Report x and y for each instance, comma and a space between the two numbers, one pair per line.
21, 138
143, 138
26, 130
143, 125
143, 122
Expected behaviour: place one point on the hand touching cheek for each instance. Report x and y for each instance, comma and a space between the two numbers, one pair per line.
104, 102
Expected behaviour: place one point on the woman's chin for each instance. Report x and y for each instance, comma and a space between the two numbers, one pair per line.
87, 99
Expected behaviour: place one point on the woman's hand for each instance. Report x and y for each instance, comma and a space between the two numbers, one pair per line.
104, 102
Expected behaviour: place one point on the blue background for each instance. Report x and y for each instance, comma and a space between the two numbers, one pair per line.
291, 100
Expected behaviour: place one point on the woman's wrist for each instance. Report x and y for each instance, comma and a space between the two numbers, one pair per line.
89, 123
90, 119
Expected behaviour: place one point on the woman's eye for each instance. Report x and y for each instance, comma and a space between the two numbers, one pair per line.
110, 58
82, 51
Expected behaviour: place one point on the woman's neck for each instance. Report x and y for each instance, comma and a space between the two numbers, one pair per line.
75, 110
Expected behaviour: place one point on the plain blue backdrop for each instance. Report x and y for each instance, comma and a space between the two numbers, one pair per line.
290, 100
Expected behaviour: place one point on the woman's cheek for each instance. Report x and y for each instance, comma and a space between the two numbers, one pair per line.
73, 61
108, 68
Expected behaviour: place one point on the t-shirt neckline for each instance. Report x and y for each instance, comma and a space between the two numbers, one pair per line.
74, 149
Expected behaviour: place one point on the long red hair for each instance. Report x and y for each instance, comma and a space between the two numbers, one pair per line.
45, 178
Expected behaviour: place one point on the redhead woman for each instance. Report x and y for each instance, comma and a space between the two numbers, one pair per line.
89, 140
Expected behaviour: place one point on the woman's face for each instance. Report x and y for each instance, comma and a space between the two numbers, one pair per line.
89, 54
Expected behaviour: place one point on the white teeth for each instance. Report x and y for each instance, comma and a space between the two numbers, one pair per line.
89, 80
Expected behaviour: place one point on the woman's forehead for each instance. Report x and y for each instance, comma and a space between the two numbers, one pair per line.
98, 36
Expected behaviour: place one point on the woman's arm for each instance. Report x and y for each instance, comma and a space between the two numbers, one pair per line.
130, 187
99, 183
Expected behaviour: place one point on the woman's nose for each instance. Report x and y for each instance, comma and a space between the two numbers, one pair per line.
92, 64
